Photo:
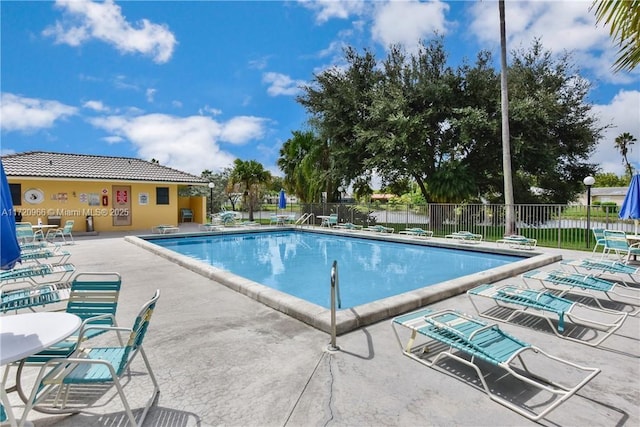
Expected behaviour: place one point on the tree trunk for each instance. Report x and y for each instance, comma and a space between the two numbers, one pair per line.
506, 145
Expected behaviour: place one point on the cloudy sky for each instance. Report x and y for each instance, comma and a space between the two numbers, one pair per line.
197, 84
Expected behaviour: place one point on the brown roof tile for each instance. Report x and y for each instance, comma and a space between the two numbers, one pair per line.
62, 165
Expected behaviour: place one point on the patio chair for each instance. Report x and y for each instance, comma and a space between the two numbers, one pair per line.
330, 221
97, 366
29, 298
94, 298
25, 233
616, 241
588, 286
454, 335
517, 301
61, 232
598, 235
186, 214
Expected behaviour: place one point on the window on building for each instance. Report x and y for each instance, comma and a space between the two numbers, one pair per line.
16, 194
162, 195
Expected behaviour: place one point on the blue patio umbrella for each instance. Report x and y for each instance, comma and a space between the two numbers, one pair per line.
631, 204
9, 247
282, 200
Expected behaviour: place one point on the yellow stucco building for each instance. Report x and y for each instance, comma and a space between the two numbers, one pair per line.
117, 193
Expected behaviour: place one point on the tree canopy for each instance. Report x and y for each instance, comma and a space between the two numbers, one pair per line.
413, 117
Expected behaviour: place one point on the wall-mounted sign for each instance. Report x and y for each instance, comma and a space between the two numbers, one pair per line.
35, 196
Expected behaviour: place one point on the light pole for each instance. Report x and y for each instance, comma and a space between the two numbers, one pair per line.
211, 185
589, 181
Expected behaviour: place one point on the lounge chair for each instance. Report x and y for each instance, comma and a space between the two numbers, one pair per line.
545, 305
451, 334
44, 255
349, 226
165, 229
63, 232
37, 275
465, 237
616, 241
209, 227
417, 231
31, 297
599, 267
97, 366
517, 241
587, 285
380, 229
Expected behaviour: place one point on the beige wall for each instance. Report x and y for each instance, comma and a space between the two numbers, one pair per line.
75, 199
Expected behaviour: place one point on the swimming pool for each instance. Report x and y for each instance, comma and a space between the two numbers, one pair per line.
299, 264
279, 255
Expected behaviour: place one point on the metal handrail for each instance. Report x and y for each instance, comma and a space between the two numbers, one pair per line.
335, 295
305, 218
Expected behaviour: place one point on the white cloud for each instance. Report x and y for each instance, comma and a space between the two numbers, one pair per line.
104, 21
242, 129
29, 114
328, 9
622, 113
96, 106
150, 93
560, 26
281, 84
408, 22
191, 144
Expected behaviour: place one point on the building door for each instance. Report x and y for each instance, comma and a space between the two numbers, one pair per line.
121, 205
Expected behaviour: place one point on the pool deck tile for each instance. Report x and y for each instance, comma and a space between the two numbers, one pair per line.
222, 358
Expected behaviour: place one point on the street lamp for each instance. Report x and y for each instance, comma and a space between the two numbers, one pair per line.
211, 185
589, 181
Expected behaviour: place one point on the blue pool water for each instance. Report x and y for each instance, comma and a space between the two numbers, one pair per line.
299, 263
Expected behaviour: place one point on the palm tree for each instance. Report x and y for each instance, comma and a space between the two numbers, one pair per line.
623, 141
249, 175
624, 20
506, 145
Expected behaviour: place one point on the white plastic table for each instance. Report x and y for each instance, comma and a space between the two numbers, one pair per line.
22, 335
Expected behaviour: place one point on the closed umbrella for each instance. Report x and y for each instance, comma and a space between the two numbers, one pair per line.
282, 200
631, 204
9, 247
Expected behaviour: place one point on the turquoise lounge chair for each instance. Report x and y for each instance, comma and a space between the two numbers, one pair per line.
97, 366
454, 335
349, 226
589, 286
517, 241
465, 237
545, 305
599, 267
417, 231
37, 274
380, 229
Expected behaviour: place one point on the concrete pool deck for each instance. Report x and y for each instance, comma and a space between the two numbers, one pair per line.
222, 358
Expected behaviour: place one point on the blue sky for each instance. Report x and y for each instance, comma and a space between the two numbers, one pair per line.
197, 84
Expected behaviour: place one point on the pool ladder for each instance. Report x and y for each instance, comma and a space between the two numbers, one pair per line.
335, 297
304, 219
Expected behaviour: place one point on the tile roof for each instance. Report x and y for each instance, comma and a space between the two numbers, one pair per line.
62, 165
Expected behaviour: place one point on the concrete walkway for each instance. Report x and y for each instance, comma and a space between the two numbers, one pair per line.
224, 359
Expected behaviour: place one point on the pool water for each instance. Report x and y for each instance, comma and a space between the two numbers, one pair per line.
299, 263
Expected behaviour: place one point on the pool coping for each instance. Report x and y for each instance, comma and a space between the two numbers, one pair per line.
356, 317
